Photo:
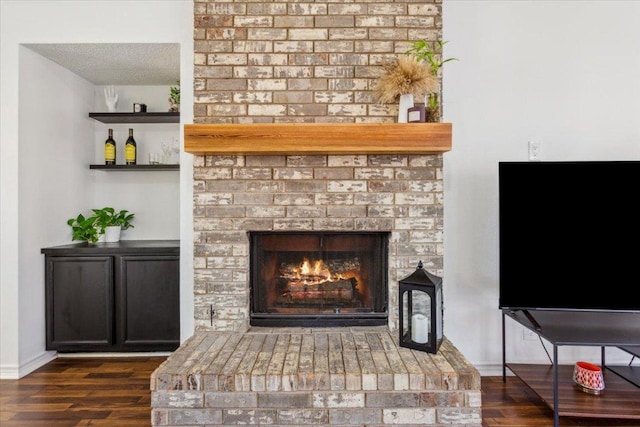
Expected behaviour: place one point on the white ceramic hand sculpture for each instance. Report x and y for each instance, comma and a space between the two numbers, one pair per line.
111, 98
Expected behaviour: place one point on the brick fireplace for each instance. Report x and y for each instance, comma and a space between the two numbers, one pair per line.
235, 195
231, 373
287, 138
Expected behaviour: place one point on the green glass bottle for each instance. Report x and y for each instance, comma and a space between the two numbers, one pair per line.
130, 150
110, 149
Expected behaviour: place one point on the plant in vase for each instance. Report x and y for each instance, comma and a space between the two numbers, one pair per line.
84, 229
105, 222
174, 98
422, 51
403, 79
111, 222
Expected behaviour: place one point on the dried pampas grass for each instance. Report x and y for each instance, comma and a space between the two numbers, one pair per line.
404, 76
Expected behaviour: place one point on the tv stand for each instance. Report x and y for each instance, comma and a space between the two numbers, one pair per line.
554, 384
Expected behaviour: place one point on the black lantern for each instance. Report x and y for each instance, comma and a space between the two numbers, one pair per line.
421, 311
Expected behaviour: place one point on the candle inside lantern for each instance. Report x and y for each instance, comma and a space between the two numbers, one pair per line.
419, 328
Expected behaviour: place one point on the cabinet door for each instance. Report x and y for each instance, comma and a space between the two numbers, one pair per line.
79, 302
148, 308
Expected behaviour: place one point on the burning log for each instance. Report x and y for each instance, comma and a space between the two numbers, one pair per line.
328, 292
307, 286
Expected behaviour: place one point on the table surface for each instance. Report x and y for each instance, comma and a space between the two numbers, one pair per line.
583, 327
121, 247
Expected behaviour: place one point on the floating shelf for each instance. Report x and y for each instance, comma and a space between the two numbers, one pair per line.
317, 138
136, 117
135, 167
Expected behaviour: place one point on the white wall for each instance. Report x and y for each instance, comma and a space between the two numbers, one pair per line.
53, 179
563, 73
45, 150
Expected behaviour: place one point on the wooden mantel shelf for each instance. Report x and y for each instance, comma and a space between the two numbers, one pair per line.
317, 138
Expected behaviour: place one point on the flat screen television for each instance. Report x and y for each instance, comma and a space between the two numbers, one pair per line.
569, 235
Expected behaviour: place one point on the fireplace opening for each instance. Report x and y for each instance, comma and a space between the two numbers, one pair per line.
318, 278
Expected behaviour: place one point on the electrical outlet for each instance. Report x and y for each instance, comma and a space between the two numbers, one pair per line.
529, 335
534, 150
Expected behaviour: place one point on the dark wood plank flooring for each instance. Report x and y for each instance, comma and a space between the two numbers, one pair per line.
513, 404
70, 392
74, 392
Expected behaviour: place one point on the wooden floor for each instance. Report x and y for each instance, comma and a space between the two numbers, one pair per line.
115, 392
69, 392
513, 404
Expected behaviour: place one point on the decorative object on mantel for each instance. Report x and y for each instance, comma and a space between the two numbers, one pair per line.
416, 114
111, 99
420, 311
421, 50
588, 377
406, 102
404, 79
174, 98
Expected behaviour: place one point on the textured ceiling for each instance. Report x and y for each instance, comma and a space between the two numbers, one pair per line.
134, 64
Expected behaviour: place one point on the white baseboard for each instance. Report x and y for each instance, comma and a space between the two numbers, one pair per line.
491, 370
15, 372
107, 354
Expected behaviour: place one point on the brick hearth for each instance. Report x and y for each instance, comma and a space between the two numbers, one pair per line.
304, 376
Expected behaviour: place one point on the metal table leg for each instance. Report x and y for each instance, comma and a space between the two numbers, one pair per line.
504, 352
556, 399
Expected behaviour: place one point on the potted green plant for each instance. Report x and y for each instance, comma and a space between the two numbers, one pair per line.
422, 51
111, 222
174, 98
84, 229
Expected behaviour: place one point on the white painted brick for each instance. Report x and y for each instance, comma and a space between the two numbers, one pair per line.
253, 21
346, 186
307, 9
267, 84
409, 416
338, 400
266, 110
308, 34
177, 399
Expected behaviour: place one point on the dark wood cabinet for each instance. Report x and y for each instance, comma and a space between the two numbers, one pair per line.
115, 297
147, 306
79, 301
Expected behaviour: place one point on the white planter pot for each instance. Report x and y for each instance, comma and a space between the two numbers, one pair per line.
112, 234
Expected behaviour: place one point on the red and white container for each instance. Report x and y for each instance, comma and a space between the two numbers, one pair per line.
588, 377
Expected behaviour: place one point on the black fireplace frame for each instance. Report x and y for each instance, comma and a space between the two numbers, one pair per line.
379, 316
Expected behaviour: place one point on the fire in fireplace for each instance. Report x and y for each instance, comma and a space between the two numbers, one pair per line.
318, 278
